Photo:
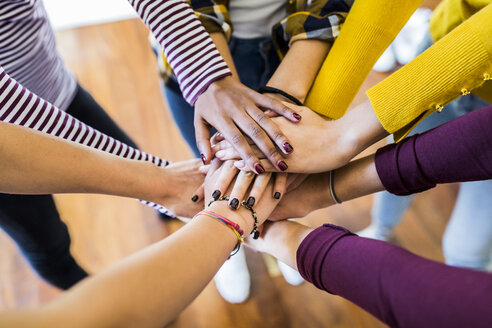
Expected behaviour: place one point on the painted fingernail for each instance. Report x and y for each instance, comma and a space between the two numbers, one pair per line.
234, 203
287, 147
194, 198
216, 194
277, 195
251, 201
203, 158
282, 165
259, 168
296, 116
256, 235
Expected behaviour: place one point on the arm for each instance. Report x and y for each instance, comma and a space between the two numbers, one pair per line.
36, 163
370, 27
456, 64
399, 288
150, 288
415, 164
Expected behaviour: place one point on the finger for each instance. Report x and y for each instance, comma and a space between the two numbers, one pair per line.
240, 188
271, 129
258, 188
204, 169
199, 194
227, 174
263, 141
232, 154
202, 134
241, 165
277, 106
216, 138
237, 140
280, 185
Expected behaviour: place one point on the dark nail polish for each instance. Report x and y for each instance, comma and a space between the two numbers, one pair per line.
282, 165
277, 195
259, 168
234, 203
203, 158
216, 194
194, 198
251, 201
296, 116
256, 235
287, 147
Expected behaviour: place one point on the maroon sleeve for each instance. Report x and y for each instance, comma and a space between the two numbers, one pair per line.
460, 150
396, 286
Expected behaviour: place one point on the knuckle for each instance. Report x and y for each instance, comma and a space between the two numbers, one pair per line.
255, 131
261, 118
277, 135
271, 152
236, 139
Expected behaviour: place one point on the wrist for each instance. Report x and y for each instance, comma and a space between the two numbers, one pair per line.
241, 216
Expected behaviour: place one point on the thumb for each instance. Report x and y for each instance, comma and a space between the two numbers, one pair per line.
202, 135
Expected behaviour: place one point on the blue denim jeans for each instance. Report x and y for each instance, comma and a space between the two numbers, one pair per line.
255, 59
467, 240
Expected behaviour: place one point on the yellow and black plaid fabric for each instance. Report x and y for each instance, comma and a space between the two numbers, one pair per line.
307, 19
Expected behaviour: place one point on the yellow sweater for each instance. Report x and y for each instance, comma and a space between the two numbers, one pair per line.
458, 63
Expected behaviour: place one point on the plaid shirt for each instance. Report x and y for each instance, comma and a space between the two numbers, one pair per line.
311, 19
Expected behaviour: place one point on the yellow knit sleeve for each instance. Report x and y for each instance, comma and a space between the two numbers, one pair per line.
370, 27
458, 63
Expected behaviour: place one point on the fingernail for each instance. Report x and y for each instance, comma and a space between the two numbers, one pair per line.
296, 116
277, 195
282, 165
203, 158
259, 168
234, 203
287, 147
216, 194
220, 153
256, 235
194, 198
251, 201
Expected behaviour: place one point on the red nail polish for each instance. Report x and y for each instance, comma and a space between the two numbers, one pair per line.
287, 147
282, 165
259, 168
297, 116
203, 158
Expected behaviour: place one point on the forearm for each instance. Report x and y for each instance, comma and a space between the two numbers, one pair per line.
148, 289
36, 163
298, 69
220, 42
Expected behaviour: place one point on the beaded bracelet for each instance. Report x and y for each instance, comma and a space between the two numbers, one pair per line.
231, 225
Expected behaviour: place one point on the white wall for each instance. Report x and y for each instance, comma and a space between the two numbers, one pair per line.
74, 13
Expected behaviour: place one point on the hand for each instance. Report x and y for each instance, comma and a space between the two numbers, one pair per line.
181, 181
232, 109
264, 205
321, 144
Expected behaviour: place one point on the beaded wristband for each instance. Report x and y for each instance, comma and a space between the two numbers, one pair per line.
255, 231
231, 225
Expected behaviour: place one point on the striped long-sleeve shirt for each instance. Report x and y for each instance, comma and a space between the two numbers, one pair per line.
28, 50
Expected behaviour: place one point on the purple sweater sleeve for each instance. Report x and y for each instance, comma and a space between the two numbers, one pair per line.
188, 48
398, 287
460, 150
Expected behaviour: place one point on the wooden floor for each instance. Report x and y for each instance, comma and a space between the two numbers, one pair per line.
115, 63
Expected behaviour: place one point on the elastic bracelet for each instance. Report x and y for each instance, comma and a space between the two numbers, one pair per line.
228, 223
332, 189
266, 89
255, 231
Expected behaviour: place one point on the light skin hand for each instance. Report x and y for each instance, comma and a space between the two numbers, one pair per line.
235, 111
322, 144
